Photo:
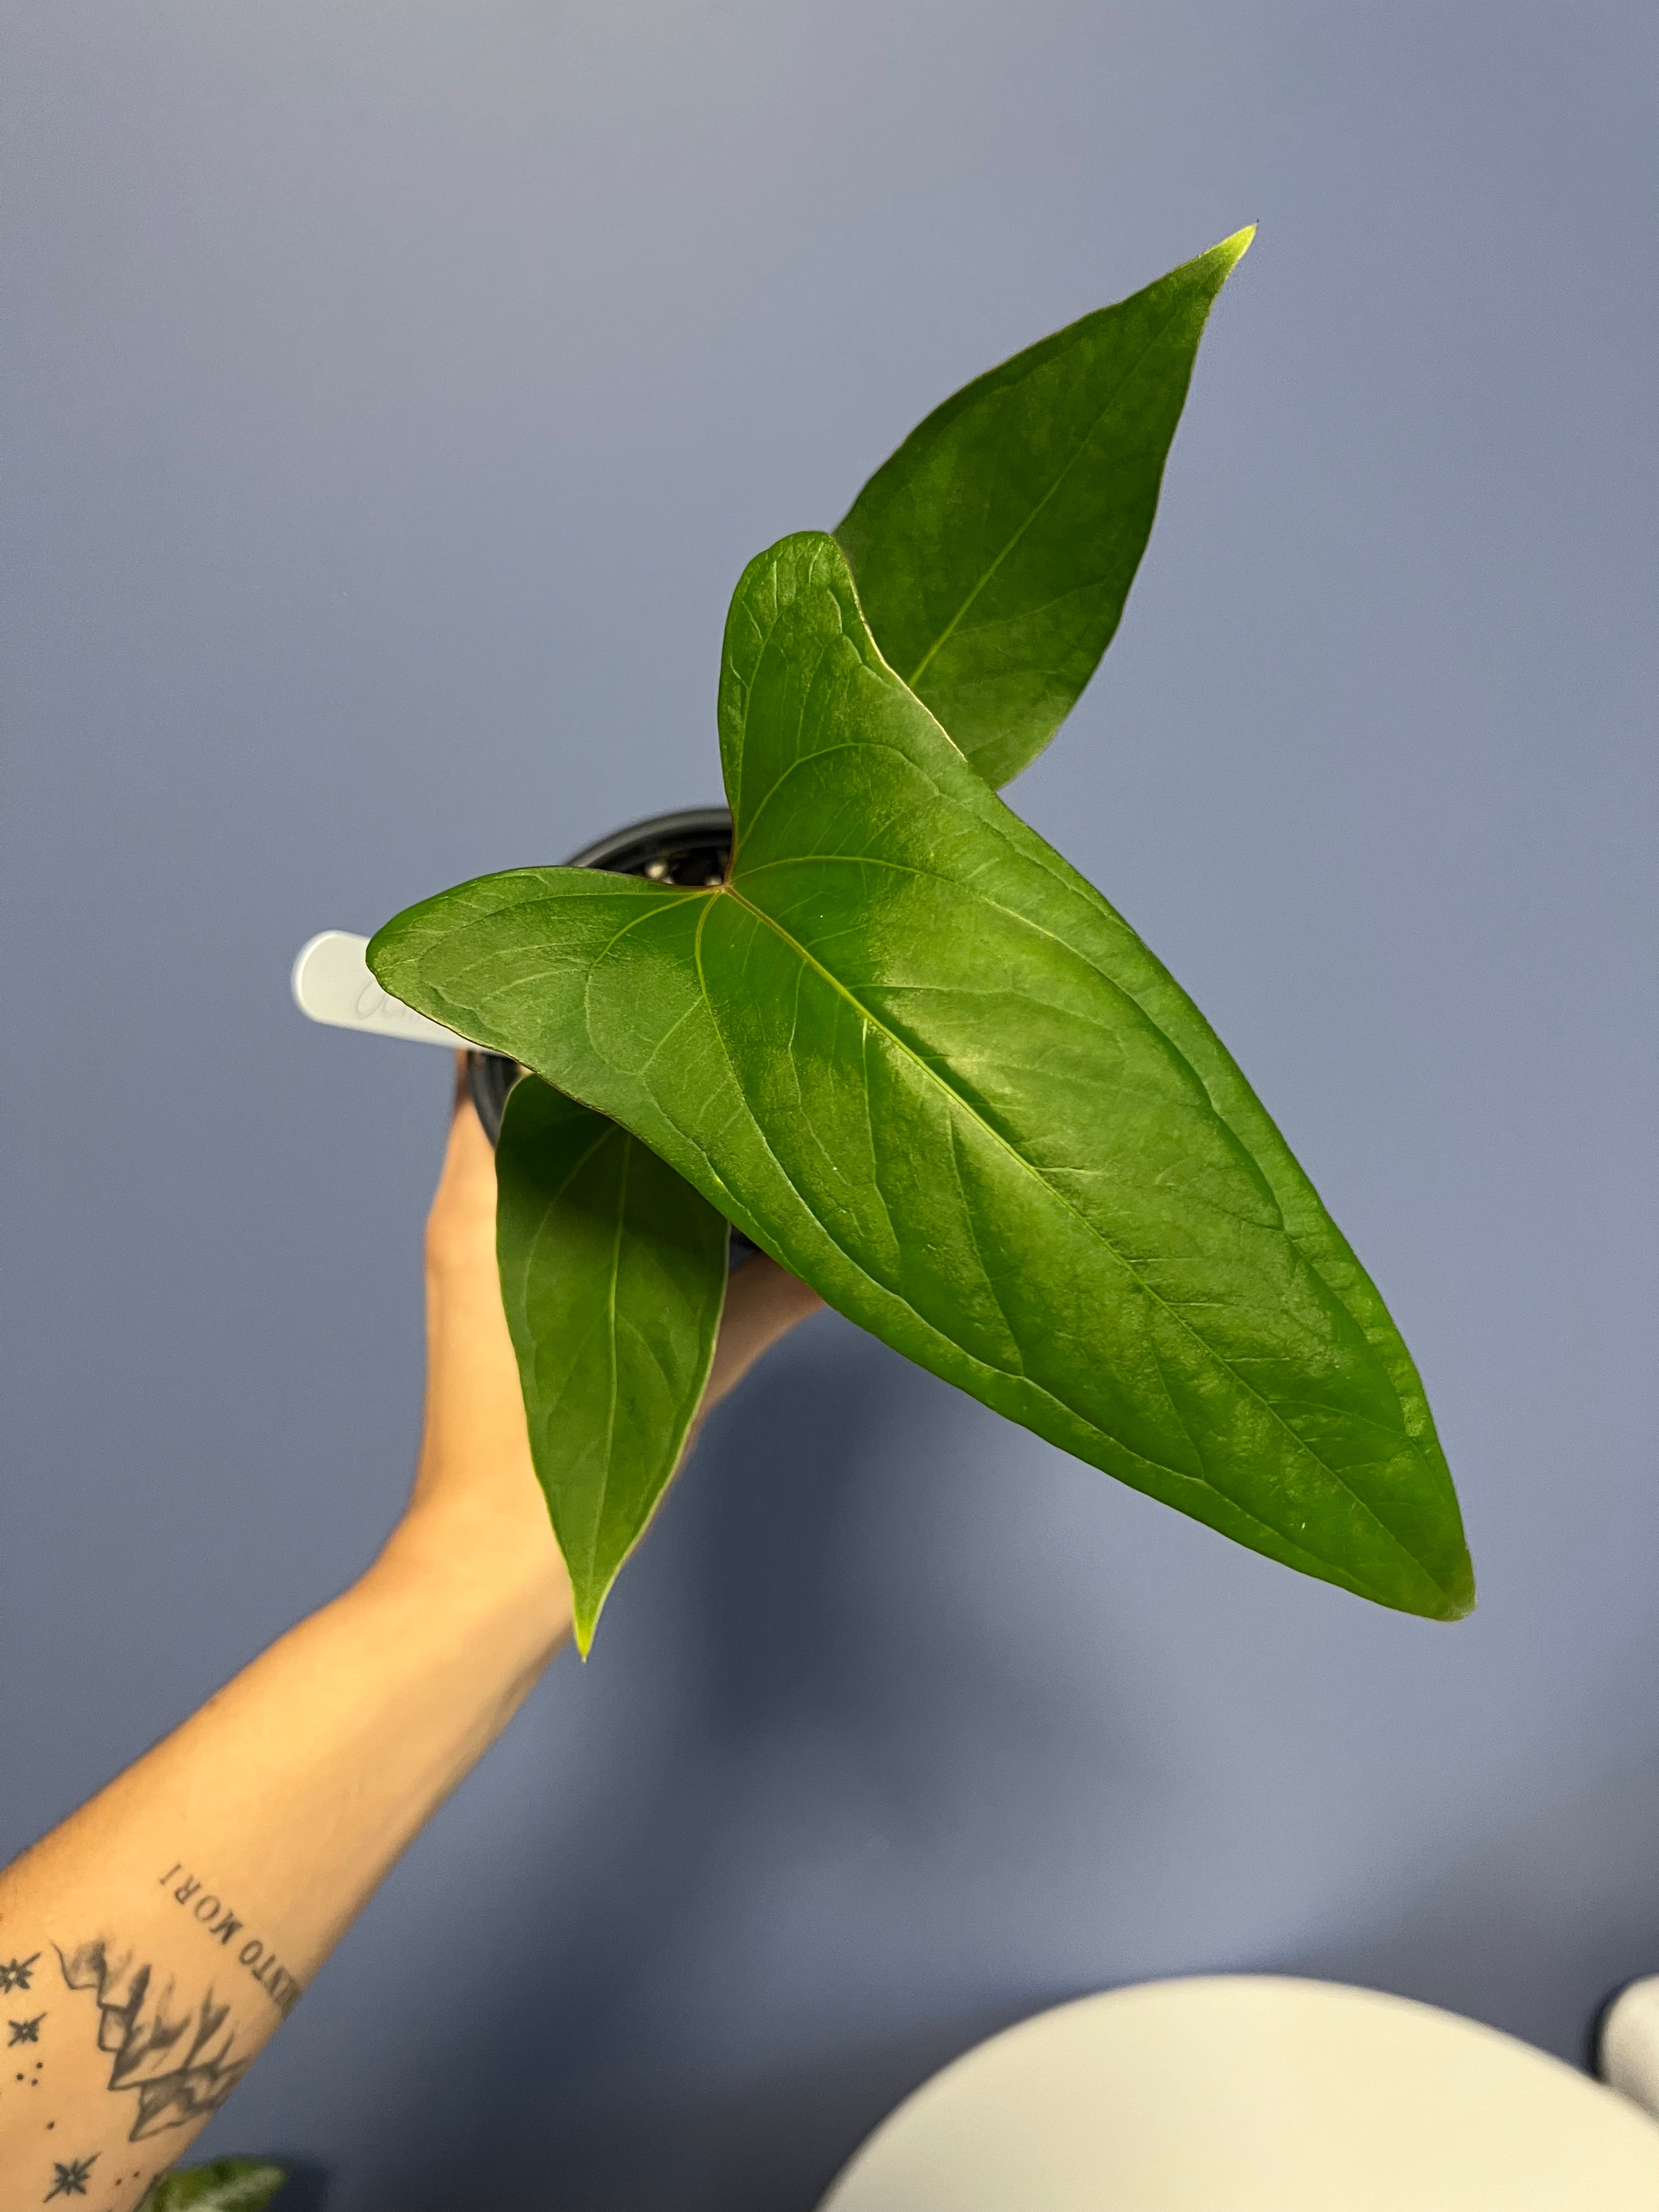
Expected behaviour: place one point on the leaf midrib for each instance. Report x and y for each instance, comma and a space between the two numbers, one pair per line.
610, 1341
1126, 378
730, 891
1141, 1459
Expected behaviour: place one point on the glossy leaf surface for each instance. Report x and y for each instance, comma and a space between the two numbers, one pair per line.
223, 2184
922, 1062
994, 551
613, 1274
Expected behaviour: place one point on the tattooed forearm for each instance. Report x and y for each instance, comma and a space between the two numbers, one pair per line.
220, 1922
86, 2022
177, 2056
180, 2064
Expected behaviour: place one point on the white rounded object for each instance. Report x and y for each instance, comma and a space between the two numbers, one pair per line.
1628, 2058
1255, 2093
333, 983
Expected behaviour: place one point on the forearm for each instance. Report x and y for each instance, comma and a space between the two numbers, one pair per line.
153, 1942
151, 1945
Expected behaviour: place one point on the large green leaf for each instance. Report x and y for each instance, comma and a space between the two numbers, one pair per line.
917, 1058
613, 1274
993, 552
223, 2184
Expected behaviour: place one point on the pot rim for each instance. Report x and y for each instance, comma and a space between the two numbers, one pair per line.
652, 831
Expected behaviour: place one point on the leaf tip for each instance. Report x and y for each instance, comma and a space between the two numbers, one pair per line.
1456, 1593
1232, 251
586, 1605
1461, 1598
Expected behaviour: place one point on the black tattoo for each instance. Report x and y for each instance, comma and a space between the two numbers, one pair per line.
70, 2180
181, 2069
15, 1973
260, 1960
25, 2031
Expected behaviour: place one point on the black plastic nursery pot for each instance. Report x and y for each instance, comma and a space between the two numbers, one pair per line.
692, 848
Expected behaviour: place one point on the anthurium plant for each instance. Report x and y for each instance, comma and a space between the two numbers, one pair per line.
908, 1051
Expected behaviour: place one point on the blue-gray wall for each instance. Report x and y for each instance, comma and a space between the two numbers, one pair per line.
395, 392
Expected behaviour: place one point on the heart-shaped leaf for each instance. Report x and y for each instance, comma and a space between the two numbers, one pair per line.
922, 1062
994, 551
613, 1274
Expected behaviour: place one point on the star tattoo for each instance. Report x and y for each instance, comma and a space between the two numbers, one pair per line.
25, 2031
70, 2180
15, 1973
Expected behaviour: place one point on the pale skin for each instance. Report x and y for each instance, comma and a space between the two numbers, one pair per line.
229, 1861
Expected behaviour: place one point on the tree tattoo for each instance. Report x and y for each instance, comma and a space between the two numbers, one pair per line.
178, 2065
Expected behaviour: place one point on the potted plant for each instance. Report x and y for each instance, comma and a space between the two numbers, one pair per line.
876, 1024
